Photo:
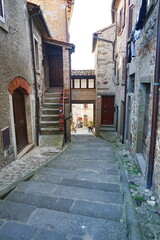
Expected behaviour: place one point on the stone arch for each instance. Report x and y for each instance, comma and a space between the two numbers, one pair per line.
19, 82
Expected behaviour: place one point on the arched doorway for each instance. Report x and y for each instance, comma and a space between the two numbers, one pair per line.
19, 89
20, 119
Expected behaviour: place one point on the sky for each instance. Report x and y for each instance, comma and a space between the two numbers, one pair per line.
88, 17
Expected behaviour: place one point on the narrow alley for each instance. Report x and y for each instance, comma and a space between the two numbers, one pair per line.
79, 195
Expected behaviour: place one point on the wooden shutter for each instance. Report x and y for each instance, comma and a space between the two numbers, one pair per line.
124, 14
130, 20
1, 9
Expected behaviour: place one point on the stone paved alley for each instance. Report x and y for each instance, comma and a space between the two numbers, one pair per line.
77, 196
82, 194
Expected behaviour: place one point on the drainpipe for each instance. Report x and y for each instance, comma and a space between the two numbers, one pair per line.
156, 92
67, 34
35, 78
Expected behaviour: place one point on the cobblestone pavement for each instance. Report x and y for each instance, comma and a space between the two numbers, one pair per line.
146, 204
77, 196
25, 167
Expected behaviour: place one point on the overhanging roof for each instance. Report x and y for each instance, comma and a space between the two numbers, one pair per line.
54, 42
36, 12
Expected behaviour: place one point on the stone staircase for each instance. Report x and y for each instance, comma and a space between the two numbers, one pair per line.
107, 131
50, 118
78, 196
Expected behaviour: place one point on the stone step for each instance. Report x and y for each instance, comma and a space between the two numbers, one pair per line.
81, 175
51, 131
108, 128
69, 225
51, 105
17, 231
75, 193
73, 206
51, 100
49, 124
54, 89
107, 187
50, 117
50, 111
109, 170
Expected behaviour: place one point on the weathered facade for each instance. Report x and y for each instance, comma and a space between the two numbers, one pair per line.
104, 48
25, 67
135, 60
16, 73
135, 80
58, 51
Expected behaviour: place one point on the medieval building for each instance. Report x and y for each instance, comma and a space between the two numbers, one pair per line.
35, 58
136, 81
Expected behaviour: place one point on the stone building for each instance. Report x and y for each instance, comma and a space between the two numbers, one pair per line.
135, 78
104, 48
135, 60
27, 54
57, 64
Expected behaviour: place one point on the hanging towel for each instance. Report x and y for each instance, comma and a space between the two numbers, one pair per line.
142, 15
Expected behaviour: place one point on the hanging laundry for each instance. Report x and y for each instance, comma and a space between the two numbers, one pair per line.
137, 34
142, 15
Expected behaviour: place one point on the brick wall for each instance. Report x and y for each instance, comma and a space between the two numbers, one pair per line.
55, 15
83, 95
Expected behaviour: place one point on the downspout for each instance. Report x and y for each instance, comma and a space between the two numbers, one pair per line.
67, 34
156, 92
35, 78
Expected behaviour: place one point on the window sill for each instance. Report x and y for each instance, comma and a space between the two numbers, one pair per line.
4, 26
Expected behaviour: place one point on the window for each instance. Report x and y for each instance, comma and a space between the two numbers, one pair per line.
83, 83
117, 76
130, 20
1, 11
36, 53
123, 70
131, 83
76, 83
90, 83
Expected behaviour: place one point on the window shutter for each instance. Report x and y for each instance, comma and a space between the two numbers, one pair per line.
1, 9
124, 13
118, 24
130, 22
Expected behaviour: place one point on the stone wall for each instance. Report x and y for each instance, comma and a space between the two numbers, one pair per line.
15, 60
55, 15
104, 67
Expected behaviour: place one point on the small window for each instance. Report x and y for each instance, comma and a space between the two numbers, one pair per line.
36, 54
90, 83
131, 83
130, 20
83, 83
117, 76
76, 83
1, 11
71, 83
123, 70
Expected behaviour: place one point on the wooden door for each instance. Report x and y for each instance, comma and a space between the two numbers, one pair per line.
20, 120
107, 116
56, 70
